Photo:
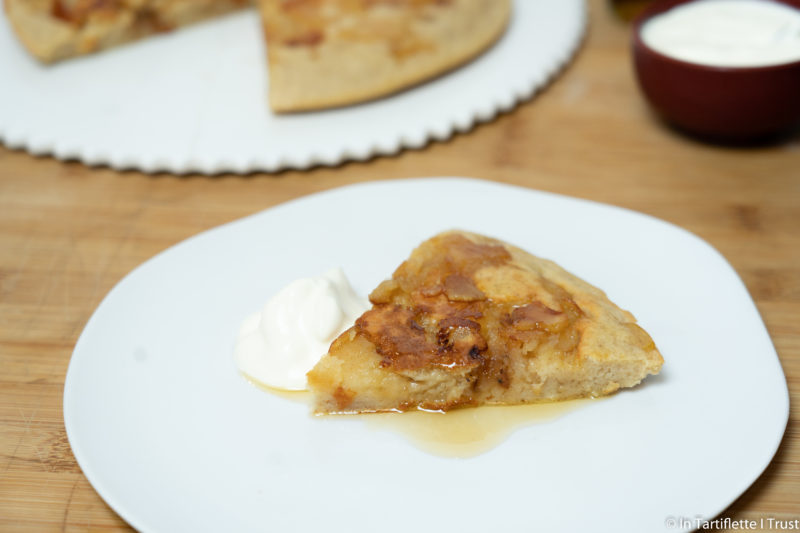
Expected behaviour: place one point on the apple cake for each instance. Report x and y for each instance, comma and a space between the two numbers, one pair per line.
469, 320
320, 53
53, 30
326, 53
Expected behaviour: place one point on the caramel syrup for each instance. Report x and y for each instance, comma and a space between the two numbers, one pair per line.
468, 431
465, 432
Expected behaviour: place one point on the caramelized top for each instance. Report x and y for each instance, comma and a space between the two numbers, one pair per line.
433, 312
308, 23
77, 11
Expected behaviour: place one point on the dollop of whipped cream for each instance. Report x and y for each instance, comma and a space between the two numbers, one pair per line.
280, 344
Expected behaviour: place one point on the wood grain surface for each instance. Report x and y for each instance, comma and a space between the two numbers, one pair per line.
68, 233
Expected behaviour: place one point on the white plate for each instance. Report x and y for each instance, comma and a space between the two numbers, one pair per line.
175, 440
195, 100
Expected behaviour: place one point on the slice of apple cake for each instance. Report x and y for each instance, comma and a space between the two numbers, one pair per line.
469, 320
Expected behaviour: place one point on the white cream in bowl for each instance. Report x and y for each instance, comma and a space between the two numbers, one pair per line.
727, 33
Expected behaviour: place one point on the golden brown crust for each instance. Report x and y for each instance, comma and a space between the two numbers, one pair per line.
325, 53
469, 320
438, 316
404, 342
53, 30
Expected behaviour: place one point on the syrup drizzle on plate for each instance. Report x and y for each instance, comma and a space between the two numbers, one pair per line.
469, 431
463, 433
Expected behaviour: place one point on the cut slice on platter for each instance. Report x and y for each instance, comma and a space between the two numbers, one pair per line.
325, 53
469, 320
53, 30
321, 53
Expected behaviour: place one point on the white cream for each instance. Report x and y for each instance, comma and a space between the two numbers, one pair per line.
280, 344
727, 33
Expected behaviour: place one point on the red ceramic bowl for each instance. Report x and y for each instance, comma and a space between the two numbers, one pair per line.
726, 103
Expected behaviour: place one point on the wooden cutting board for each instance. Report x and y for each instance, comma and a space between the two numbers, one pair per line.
68, 233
